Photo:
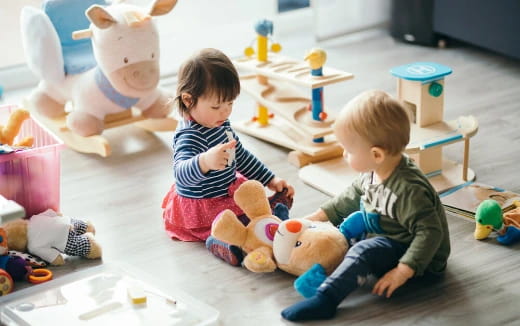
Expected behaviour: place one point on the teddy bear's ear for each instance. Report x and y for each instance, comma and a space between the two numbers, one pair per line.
251, 198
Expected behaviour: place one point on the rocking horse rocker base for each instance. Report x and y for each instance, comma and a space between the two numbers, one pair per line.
98, 144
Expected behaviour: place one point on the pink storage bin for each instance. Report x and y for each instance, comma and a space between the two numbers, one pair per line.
32, 177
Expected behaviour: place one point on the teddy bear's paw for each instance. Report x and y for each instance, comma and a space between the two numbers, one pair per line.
91, 228
95, 247
58, 261
258, 262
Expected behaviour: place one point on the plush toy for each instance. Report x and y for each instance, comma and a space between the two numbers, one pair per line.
353, 228
301, 243
12, 128
11, 268
49, 234
292, 245
489, 217
255, 239
118, 70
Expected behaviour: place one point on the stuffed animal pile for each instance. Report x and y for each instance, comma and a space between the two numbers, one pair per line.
49, 234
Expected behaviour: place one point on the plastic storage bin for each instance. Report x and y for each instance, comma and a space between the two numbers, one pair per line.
32, 177
99, 296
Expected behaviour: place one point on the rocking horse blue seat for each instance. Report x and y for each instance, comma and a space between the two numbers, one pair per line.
68, 16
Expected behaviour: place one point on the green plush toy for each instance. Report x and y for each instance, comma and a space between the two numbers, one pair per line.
489, 217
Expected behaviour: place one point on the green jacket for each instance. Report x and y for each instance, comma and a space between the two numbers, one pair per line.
410, 212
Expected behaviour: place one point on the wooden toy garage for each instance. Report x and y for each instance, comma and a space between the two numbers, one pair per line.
421, 87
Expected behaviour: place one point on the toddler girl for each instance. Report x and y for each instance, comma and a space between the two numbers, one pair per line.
209, 159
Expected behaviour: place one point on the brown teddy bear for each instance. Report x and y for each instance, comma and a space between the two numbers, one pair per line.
255, 239
293, 245
49, 234
300, 243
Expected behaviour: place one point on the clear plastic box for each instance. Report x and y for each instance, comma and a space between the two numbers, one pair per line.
99, 296
32, 177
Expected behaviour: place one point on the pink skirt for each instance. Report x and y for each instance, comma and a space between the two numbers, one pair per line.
190, 219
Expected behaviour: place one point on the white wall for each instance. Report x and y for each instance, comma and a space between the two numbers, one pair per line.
224, 24
337, 17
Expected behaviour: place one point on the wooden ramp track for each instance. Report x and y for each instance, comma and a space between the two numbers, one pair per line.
98, 144
296, 72
288, 103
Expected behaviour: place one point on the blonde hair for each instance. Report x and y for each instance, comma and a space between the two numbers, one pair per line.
379, 119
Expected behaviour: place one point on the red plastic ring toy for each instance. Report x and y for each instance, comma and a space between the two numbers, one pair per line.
40, 275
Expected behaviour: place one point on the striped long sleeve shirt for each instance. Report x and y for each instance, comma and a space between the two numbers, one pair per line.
192, 139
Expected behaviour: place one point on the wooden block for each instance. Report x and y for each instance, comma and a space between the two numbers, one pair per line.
136, 294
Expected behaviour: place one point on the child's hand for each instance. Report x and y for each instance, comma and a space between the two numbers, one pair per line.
393, 279
318, 215
276, 184
216, 158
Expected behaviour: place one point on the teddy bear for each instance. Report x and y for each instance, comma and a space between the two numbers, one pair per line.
271, 242
300, 243
49, 234
255, 239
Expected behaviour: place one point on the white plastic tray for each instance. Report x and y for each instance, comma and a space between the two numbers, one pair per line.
99, 296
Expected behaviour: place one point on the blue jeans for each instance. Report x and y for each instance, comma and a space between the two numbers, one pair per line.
374, 256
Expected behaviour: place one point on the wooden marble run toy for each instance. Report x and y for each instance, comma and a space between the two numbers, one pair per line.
309, 136
420, 86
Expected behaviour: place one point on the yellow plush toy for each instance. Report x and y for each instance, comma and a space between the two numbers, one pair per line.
12, 128
293, 245
256, 239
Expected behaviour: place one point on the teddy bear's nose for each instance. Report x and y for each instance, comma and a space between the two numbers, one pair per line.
293, 226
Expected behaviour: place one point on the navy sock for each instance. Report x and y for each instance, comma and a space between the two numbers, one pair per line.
231, 254
280, 197
316, 308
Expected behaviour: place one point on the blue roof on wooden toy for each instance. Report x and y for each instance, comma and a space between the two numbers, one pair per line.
421, 71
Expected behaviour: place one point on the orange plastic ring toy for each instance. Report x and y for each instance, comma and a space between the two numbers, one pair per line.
40, 275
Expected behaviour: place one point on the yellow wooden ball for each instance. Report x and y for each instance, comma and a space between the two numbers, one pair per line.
276, 47
249, 51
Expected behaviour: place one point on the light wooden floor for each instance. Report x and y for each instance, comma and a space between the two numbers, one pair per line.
122, 195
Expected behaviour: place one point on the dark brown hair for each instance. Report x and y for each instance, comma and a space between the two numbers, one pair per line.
208, 72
